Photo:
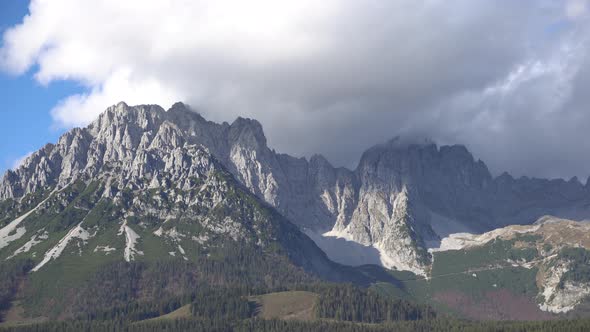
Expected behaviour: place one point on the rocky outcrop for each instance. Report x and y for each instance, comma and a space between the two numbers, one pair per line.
558, 249
402, 198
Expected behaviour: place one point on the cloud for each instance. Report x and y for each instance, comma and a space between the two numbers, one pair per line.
534, 120
80, 109
504, 77
576, 9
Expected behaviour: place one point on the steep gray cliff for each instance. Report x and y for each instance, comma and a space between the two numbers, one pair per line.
401, 199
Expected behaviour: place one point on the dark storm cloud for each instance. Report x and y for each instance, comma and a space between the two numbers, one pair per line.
506, 78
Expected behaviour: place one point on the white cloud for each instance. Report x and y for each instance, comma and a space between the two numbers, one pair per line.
575, 9
527, 119
313, 70
80, 109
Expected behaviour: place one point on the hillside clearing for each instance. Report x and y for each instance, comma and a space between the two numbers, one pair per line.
295, 305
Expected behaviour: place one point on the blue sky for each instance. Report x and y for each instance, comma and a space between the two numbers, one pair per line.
26, 124
506, 78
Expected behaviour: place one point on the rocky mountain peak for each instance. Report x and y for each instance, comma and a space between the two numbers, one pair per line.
439, 189
404, 142
248, 132
422, 166
182, 114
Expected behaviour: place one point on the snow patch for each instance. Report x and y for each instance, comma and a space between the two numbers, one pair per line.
75, 233
341, 234
340, 248
344, 251
130, 242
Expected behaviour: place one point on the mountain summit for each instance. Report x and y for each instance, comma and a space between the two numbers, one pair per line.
400, 201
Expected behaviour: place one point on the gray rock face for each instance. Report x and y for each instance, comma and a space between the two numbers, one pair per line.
401, 199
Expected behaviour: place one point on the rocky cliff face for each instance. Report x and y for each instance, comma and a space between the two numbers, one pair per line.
402, 198
130, 186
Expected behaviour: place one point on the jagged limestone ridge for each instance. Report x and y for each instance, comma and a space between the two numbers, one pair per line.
445, 181
183, 196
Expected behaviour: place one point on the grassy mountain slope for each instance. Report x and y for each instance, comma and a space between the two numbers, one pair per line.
90, 250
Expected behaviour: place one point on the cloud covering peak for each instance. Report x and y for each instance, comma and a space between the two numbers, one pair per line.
506, 78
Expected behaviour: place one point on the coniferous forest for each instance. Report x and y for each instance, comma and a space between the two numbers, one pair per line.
338, 307
225, 295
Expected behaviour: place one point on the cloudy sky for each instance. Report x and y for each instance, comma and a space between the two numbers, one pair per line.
509, 79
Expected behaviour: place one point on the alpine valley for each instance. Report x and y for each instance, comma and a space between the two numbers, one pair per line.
147, 215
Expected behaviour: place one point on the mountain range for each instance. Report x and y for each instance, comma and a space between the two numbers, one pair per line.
141, 183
